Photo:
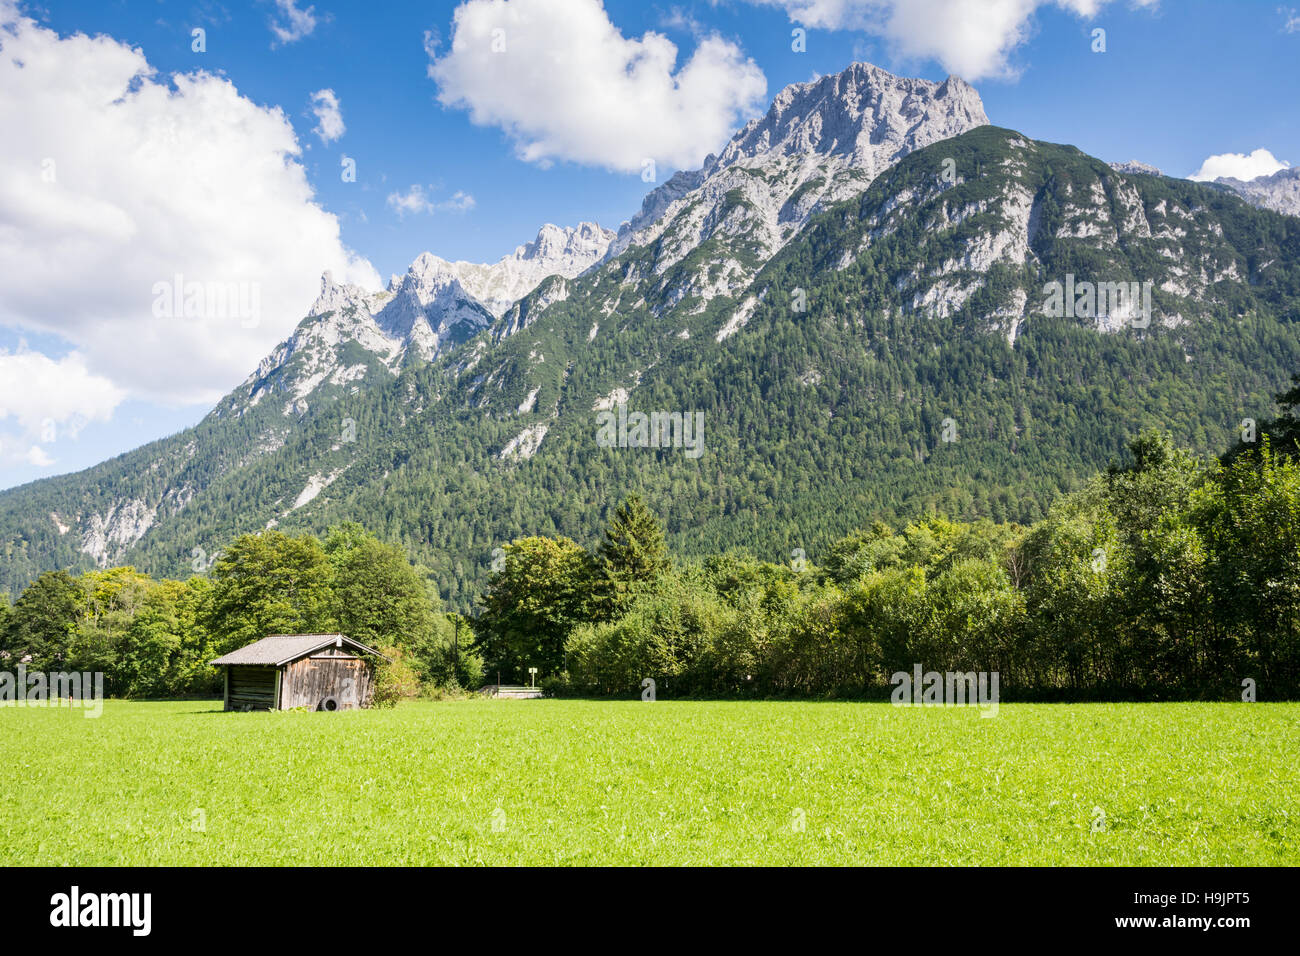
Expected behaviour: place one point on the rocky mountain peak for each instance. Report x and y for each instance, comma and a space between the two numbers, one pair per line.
1135, 166
819, 142
863, 113
565, 247
342, 297
436, 303
1279, 192
427, 273
429, 302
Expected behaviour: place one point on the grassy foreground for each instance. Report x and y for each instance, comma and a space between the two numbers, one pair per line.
506, 782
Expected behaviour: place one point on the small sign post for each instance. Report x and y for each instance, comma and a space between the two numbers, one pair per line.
532, 672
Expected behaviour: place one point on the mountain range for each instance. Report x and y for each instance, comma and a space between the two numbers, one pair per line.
1279, 191
852, 293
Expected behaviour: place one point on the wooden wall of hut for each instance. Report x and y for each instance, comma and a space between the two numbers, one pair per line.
332, 672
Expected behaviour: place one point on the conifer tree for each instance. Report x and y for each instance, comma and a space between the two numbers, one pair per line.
1282, 434
631, 558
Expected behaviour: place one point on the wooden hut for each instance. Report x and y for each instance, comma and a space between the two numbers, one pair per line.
320, 671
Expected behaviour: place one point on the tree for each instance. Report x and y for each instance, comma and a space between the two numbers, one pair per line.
462, 664
631, 558
165, 652
532, 603
977, 617
113, 597
663, 636
270, 583
43, 621
1075, 568
379, 599
1164, 592
1251, 521
1281, 434
862, 552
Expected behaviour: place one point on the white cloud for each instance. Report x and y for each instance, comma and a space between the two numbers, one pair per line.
685, 20
1239, 166
1291, 19
565, 84
295, 24
329, 118
459, 202
44, 400
113, 182
36, 389
415, 201
37, 457
971, 38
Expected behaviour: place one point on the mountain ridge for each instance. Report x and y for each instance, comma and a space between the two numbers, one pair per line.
1279, 191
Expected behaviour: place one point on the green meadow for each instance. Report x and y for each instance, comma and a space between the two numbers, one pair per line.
667, 783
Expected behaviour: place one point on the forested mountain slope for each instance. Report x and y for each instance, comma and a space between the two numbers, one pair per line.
829, 377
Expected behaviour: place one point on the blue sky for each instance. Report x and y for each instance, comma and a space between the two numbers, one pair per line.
1177, 83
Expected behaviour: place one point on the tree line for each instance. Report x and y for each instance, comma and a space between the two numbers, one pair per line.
1166, 576
156, 638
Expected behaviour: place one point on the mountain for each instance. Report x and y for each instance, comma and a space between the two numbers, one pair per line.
352, 335
351, 339
1136, 166
1279, 192
852, 300
708, 231
563, 252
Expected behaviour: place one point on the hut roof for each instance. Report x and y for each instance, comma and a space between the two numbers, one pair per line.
280, 649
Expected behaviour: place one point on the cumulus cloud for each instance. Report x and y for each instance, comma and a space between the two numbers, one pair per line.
971, 38
1239, 166
565, 84
44, 399
37, 457
1290, 19
292, 24
415, 201
163, 227
36, 390
329, 118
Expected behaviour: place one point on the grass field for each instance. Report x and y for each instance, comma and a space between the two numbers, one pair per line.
504, 782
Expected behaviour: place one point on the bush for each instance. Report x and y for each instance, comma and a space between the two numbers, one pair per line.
665, 635
395, 679
556, 685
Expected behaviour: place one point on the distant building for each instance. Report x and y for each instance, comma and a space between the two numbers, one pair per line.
283, 671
